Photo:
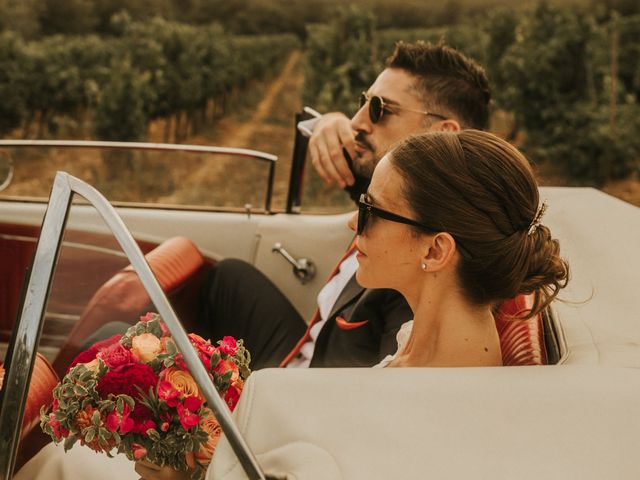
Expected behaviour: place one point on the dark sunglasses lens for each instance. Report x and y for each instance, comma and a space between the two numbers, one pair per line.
363, 99
375, 109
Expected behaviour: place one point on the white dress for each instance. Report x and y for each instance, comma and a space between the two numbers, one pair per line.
402, 338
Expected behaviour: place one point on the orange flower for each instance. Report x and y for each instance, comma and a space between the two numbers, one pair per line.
1, 374
210, 425
224, 366
145, 346
183, 382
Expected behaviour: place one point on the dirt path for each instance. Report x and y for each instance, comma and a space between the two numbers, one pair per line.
266, 106
265, 126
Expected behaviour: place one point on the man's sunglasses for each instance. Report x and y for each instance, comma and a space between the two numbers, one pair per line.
377, 107
366, 210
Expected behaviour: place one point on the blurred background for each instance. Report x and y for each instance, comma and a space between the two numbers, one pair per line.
565, 77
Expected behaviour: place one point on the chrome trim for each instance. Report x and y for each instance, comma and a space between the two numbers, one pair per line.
562, 339
243, 152
7, 181
21, 357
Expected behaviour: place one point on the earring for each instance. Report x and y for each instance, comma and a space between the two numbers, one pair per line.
423, 265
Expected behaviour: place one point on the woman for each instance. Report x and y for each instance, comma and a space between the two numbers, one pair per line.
451, 221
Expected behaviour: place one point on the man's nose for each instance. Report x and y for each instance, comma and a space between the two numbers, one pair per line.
361, 121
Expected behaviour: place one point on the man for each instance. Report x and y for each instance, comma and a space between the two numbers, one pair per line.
424, 87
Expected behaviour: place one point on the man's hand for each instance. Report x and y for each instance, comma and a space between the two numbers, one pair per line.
331, 134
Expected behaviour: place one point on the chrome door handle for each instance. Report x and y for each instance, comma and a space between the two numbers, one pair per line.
303, 268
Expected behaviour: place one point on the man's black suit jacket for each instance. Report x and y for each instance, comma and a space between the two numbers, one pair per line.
362, 327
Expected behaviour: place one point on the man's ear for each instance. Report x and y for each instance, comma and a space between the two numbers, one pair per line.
440, 251
449, 125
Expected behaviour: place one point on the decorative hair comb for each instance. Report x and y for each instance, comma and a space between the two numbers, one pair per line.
535, 223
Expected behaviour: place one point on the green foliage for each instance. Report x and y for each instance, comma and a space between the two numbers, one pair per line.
149, 70
500, 26
557, 79
341, 60
546, 68
120, 113
12, 77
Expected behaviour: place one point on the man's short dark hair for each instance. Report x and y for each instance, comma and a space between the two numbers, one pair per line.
449, 80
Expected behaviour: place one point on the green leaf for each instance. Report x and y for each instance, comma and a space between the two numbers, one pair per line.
69, 442
90, 434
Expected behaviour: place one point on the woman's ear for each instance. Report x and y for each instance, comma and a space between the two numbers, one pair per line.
439, 252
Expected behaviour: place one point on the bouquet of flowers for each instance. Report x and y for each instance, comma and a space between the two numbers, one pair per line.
133, 394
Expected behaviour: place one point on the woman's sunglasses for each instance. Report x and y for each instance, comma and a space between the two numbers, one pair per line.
377, 107
366, 210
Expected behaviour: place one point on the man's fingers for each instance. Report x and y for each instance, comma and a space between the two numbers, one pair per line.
326, 160
347, 139
314, 155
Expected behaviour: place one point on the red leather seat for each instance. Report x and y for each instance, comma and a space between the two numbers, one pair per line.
521, 341
179, 267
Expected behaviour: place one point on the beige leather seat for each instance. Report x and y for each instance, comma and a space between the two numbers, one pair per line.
556, 422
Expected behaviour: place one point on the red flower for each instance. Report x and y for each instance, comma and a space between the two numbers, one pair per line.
143, 427
91, 352
123, 422
231, 397
192, 403
228, 345
125, 378
115, 355
169, 394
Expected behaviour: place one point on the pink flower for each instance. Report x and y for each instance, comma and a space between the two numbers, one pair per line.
189, 419
147, 317
228, 345
116, 421
204, 348
139, 452
115, 355
169, 394
58, 430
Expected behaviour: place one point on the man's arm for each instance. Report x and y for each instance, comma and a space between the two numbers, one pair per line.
330, 135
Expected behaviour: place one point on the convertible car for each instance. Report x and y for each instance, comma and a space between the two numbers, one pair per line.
569, 407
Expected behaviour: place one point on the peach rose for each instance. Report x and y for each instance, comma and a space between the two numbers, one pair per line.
183, 382
145, 347
210, 425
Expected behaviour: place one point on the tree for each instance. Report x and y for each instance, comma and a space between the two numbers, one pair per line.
12, 78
